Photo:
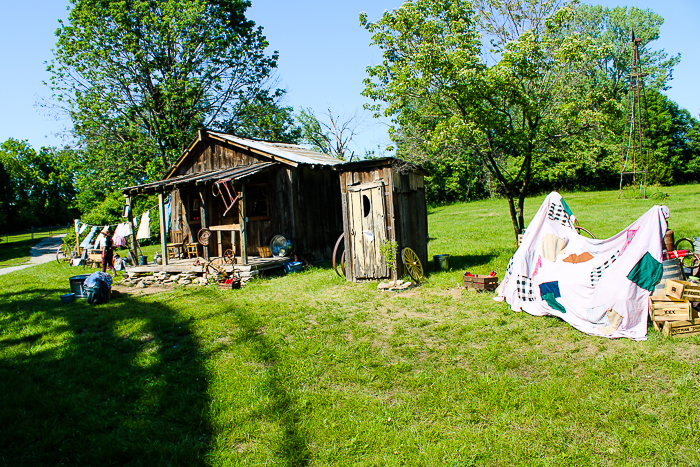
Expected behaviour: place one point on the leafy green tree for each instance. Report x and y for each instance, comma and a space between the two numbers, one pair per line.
262, 117
139, 77
38, 187
5, 198
674, 139
611, 29
508, 114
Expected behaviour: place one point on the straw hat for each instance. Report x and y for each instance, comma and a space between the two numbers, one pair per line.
105, 231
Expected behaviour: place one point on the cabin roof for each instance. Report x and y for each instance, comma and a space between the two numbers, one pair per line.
200, 178
285, 153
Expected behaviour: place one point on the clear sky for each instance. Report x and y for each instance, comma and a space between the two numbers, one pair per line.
323, 56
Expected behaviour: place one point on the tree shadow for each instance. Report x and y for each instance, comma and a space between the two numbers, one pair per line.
283, 408
115, 384
470, 261
12, 252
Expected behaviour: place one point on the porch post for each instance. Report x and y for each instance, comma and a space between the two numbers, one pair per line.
243, 222
134, 243
203, 216
161, 213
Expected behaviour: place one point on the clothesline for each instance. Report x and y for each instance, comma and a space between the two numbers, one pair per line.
123, 230
114, 225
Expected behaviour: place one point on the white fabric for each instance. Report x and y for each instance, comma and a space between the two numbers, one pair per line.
144, 227
595, 292
99, 242
82, 229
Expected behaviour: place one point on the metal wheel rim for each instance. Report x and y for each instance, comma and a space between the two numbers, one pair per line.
412, 264
63, 253
203, 236
335, 257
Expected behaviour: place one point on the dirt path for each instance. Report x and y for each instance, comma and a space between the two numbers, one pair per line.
42, 252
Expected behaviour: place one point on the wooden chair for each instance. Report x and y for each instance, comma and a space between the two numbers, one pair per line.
176, 249
192, 250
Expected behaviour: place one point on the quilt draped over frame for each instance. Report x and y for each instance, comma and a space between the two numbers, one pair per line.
600, 287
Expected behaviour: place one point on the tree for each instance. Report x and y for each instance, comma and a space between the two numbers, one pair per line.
139, 77
333, 135
37, 189
611, 29
262, 117
508, 114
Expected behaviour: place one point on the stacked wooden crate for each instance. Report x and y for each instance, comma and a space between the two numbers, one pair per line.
674, 313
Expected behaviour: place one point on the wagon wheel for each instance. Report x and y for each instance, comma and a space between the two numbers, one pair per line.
692, 245
203, 236
215, 269
63, 253
579, 229
412, 264
228, 257
342, 258
693, 263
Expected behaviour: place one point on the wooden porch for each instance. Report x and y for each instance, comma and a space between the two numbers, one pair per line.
176, 266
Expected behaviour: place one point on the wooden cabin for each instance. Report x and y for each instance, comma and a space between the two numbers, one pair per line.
382, 199
243, 192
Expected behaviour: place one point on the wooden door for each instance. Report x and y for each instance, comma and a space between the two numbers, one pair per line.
367, 216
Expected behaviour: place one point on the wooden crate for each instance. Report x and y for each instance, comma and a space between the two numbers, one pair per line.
665, 309
480, 282
682, 328
683, 290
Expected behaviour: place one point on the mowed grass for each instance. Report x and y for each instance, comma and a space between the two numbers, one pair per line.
307, 369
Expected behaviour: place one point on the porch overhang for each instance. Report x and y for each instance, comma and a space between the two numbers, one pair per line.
199, 178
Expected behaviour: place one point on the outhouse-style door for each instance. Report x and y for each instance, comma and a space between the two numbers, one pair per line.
367, 219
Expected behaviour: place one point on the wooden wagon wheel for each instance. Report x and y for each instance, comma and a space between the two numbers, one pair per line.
412, 264
215, 269
228, 257
203, 236
691, 260
342, 258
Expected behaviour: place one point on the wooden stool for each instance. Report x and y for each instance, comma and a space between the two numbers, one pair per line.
192, 250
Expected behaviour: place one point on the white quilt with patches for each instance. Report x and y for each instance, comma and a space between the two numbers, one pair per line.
585, 281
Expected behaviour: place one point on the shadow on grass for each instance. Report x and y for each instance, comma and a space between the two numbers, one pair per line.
282, 409
471, 261
16, 253
116, 384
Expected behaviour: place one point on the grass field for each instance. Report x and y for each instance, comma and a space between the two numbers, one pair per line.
307, 369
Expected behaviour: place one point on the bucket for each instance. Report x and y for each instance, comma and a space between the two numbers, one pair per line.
76, 285
441, 262
673, 271
67, 298
143, 260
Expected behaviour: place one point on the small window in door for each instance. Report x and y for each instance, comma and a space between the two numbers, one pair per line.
366, 205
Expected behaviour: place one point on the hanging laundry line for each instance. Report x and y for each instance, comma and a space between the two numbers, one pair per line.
85, 225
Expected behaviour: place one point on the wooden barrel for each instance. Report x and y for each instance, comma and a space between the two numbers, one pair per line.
672, 270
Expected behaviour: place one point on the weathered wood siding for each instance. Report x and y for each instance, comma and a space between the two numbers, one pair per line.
316, 210
218, 155
405, 218
304, 203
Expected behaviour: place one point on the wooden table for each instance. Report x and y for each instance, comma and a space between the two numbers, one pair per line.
233, 228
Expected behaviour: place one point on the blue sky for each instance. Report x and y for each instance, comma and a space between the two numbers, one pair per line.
323, 56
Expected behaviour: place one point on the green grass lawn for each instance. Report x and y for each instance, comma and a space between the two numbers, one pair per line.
307, 369
16, 253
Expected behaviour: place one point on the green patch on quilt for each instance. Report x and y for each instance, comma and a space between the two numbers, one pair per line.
567, 209
552, 301
647, 272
